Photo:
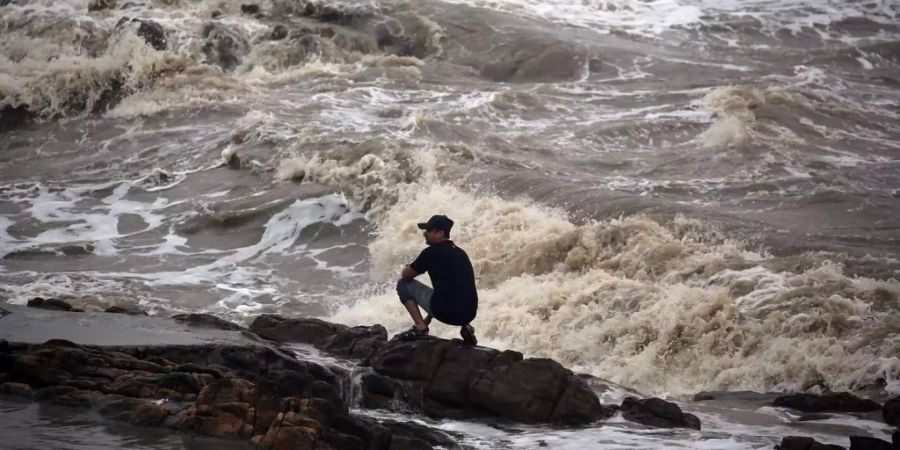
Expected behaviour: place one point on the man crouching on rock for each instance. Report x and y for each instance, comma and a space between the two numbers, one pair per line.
454, 299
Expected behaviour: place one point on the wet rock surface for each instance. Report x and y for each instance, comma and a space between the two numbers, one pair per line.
206, 320
869, 443
656, 412
831, 402
50, 303
258, 394
446, 379
804, 443
891, 411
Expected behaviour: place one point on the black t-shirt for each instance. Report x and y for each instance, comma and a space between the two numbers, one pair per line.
455, 300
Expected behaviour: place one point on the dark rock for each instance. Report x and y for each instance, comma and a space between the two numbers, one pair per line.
891, 411
50, 303
526, 391
412, 436
814, 416
355, 342
16, 390
411, 360
895, 439
234, 161
868, 443
153, 33
833, 402
137, 411
250, 8
13, 116
656, 412
97, 5
459, 367
224, 47
207, 321
130, 311
340, 340
804, 443
277, 328
278, 33
742, 396
381, 392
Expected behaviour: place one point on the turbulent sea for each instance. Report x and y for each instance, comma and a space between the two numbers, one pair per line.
673, 195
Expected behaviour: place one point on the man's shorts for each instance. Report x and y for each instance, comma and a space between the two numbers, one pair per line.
417, 291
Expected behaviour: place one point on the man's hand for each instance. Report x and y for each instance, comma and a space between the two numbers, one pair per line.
408, 273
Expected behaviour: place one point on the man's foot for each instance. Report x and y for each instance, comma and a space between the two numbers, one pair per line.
412, 333
468, 335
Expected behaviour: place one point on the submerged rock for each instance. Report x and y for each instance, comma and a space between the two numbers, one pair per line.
206, 320
804, 443
97, 5
224, 46
656, 412
125, 310
50, 303
250, 8
891, 411
832, 402
153, 33
869, 443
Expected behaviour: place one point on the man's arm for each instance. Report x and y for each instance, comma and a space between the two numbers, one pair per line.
408, 273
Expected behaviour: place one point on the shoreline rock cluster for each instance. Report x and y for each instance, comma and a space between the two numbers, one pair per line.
260, 391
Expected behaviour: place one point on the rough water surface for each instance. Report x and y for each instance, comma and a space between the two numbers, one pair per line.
673, 195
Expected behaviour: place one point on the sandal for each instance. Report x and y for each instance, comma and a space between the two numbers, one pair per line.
468, 334
412, 333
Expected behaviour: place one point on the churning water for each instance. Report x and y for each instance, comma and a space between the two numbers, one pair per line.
674, 195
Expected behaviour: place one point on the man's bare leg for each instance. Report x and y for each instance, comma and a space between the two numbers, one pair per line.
413, 308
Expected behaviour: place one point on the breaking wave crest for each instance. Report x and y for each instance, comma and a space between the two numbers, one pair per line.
661, 304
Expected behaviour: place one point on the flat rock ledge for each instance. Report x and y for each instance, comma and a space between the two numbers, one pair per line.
446, 379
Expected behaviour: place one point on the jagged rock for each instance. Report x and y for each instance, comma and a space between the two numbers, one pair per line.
252, 393
381, 392
122, 310
206, 320
152, 32
224, 47
50, 303
891, 411
340, 340
868, 443
16, 390
833, 402
804, 443
97, 5
412, 436
656, 412
136, 411
461, 381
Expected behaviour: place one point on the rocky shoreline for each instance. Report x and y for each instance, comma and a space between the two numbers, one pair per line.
199, 374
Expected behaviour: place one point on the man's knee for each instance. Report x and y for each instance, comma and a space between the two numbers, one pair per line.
403, 290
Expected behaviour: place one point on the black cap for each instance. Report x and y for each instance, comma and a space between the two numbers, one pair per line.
437, 222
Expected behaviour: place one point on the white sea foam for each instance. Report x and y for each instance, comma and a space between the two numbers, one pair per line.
649, 305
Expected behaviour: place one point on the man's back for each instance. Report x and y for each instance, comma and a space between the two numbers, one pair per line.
455, 299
